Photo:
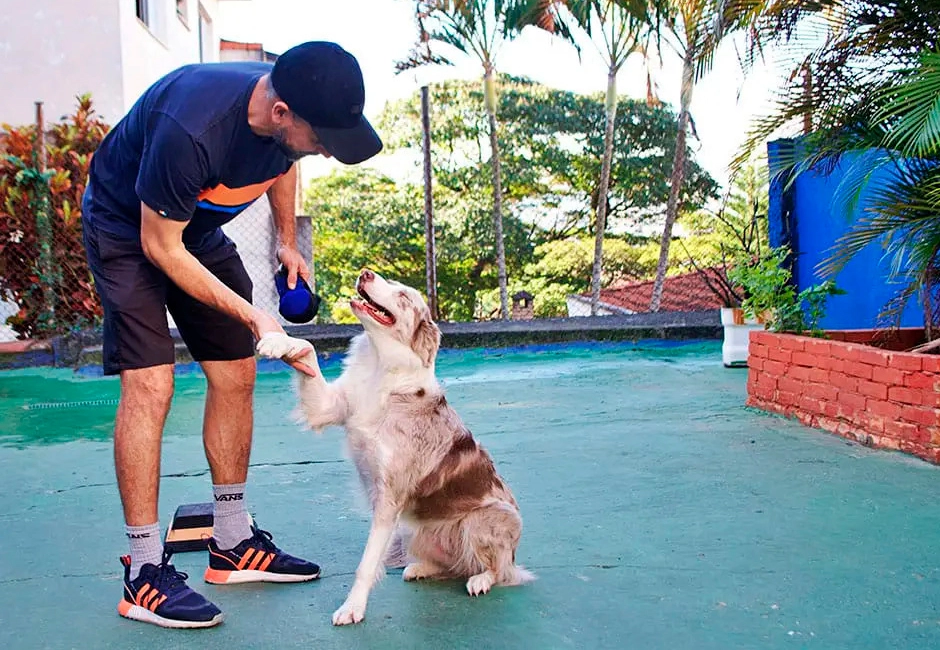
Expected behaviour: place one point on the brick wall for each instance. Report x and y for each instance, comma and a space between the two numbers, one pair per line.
881, 398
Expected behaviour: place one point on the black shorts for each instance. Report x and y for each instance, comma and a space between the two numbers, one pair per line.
136, 295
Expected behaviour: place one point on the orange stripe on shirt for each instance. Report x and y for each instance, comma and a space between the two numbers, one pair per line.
222, 195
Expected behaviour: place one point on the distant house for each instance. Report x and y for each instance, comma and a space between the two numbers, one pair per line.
687, 292
112, 49
236, 51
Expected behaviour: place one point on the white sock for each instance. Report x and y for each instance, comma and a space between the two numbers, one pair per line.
230, 524
146, 546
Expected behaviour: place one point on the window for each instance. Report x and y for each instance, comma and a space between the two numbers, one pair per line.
206, 37
143, 11
182, 11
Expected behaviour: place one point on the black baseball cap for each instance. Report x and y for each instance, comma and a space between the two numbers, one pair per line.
322, 83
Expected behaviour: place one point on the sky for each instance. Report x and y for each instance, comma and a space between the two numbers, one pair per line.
380, 32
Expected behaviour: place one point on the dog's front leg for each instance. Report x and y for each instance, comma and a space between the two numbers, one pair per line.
321, 404
384, 519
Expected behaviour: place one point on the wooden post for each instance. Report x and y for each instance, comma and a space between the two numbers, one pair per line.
429, 246
41, 160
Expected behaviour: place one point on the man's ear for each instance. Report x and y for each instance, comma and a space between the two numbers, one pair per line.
426, 340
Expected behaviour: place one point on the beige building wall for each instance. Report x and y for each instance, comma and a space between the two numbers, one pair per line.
51, 51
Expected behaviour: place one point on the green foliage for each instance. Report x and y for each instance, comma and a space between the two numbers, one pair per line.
42, 259
552, 141
770, 294
366, 219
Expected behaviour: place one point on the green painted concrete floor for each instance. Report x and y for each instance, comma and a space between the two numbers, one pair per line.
659, 513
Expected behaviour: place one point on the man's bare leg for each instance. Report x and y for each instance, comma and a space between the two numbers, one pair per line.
227, 432
146, 394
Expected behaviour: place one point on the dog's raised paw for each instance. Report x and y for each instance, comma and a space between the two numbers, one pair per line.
480, 583
349, 614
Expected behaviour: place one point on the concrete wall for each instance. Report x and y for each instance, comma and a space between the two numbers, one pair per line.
808, 215
167, 42
52, 51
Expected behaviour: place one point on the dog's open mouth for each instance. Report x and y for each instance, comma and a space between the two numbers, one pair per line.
378, 313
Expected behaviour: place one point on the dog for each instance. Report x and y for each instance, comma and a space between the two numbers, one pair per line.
438, 503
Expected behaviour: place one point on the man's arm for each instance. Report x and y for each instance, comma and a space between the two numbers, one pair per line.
282, 196
162, 242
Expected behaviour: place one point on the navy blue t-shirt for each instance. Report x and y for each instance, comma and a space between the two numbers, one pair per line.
186, 150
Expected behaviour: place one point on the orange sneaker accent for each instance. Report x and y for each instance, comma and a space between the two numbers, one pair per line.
267, 561
246, 558
259, 558
124, 607
217, 576
140, 594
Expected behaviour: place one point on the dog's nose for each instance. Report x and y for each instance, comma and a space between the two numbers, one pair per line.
367, 275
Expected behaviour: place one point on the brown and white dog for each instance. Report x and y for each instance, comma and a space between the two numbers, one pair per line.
437, 500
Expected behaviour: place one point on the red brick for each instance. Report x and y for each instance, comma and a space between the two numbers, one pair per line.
775, 368
791, 342
804, 359
922, 380
823, 391
818, 347
858, 369
757, 350
805, 418
923, 415
888, 376
847, 351
831, 364
787, 399
851, 403
763, 337
871, 389
872, 423
843, 382
930, 362
873, 356
790, 385
762, 391
819, 376
800, 373
888, 410
904, 395
831, 409
907, 431
811, 404
905, 361
779, 354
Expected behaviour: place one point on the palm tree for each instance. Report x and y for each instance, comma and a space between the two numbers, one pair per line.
694, 29
477, 28
874, 69
624, 26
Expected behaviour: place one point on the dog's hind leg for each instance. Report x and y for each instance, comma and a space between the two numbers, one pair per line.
492, 535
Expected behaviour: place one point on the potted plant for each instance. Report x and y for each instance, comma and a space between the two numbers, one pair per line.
737, 231
771, 297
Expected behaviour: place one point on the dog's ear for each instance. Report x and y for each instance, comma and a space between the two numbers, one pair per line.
426, 339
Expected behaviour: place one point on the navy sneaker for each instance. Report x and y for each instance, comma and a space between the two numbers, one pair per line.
159, 595
256, 559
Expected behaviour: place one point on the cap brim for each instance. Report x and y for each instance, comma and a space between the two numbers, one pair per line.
351, 146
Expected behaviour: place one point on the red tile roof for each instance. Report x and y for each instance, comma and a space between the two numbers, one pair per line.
687, 292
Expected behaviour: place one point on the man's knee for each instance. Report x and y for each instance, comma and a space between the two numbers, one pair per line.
148, 388
234, 378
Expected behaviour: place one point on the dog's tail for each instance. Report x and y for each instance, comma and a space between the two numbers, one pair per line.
520, 576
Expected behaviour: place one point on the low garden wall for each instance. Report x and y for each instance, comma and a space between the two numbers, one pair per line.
848, 385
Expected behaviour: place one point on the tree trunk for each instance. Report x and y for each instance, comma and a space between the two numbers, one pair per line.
601, 223
430, 256
678, 175
489, 93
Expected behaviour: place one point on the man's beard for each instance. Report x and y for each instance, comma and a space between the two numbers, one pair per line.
281, 142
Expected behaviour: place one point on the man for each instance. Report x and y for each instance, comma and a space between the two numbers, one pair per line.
196, 149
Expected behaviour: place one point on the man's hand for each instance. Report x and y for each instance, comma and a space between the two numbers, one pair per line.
295, 264
274, 343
